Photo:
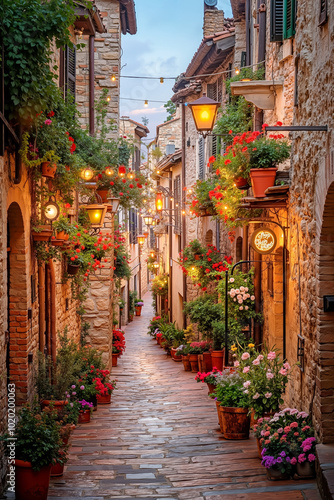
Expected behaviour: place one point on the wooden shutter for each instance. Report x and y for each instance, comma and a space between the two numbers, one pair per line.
323, 12
70, 71
289, 18
201, 158
276, 20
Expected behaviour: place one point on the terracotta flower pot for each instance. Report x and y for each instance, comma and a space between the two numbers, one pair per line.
61, 235
48, 169
186, 363
241, 183
207, 361
58, 469
138, 310
193, 358
217, 358
57, 405
84, 417
235, 422
72, 269
114, 357
305, 470
43, 235
104, 399
276, 475
30, 484
104, 194
172, 353
201, 363
259, 448
211, 388
261, 179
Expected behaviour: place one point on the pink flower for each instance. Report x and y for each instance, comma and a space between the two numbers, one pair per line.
256, 362
246, 369
269, 375
283, 371
256, 396
245, 356
260, 357
252, 297
301, 458
280, 430
268, 395
293, 425
236, 364
311, 457
286, 366
271, 355
293, 461
48, 121
267, 433
247, 384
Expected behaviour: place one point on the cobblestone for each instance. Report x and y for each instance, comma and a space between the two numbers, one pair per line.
160, 439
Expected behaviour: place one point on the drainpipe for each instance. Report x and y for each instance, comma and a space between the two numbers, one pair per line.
170, 236
183, 219
91, 85
262, 33
41, 300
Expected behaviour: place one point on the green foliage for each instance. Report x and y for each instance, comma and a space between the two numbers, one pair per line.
132, 299
171, 109
204, 311
230, 392
30, 81
160, 284
45, 251
37, 436
269, 152
199, 201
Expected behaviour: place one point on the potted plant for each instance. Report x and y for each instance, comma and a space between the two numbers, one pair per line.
199, 201
41, 232
63, 228
233, 403
85, 410
132, 299
104, 386
194, 350
287, 444
209, 378
138, 306
118, 345
265, 377
37, 444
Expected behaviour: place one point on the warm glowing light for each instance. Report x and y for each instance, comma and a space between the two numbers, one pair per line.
148, 219
130, 175
51, 210
159, 202
226, 207
113, 77
183, 212
204, 111
158, 171
96, 214
141, 239
161, 80
108, 98
146, 103
109, 171
237, 71
87, 174
121, 171
263, 240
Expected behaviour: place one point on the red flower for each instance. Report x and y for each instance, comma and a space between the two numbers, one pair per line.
124, 181
131, 186
265, 125
139, 185
111, 183
212, 159
52, 113
227, 162
279, 124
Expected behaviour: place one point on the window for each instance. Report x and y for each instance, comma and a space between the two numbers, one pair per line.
133, 226
276, 21
70, 65
289, 18
178, 201
201, 158
323, 12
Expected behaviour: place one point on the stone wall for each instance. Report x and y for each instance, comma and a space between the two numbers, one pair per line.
3, 318
107, 63
213, 22
170, 133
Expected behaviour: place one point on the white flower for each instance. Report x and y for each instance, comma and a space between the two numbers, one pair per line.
234, 300
237, 290
252, 297
241, 308
231, 280
246, 289
240, 301
239, 297
242, 288
268, 395
246, 391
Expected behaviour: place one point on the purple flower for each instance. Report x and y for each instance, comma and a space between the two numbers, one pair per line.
82, 387
311, 457
279, 460
283, 454
71, 405
68, 395
73, 393
73, 386
301, 458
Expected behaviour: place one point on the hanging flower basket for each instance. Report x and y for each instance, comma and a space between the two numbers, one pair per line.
48, 169
261, 179
43, 235
72, 269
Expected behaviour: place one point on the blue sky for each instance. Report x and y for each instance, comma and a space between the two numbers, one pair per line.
169, 33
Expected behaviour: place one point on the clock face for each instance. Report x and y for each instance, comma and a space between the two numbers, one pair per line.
211, 3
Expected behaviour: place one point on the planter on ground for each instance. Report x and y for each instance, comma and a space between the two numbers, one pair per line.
186, 363
84, 417
217, 358
30, 484
193, 358
235, 422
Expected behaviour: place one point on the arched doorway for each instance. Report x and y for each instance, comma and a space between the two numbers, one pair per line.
325, 334
17, 313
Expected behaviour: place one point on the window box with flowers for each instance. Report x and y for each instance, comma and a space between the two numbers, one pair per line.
198, 199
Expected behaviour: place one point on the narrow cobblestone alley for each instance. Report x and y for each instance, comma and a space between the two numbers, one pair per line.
160, 439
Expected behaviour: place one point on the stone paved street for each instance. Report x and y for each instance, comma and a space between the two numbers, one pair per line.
160, 439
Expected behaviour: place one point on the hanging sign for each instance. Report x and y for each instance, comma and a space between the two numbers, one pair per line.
263, 240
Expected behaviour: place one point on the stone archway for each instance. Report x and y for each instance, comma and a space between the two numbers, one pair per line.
18, 323
325, 332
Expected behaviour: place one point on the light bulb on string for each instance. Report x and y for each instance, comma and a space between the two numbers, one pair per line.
161, 80
237, 71
146, 103
113, 77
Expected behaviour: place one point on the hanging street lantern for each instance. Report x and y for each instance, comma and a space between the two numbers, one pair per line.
109, 171
159, 202
148, 219
51, 210
141, 239
204, 111
113, 203
87, 174
130, 175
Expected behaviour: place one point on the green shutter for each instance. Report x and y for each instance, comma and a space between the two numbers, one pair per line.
276, 20
289, 18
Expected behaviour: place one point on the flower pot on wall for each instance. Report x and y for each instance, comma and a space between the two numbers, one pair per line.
261, 179
235, 422
43, 235
30, 484
241, 183
104, 194
57, 405
72, 269
48, 169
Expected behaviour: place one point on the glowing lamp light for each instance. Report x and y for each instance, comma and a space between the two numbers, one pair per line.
156, 265
159, 202
237, 71
51, 210
113, 78
263, 240
121, 171
96, 214
87, 174
148, 220
130, 175
141, 239
109, 171
204, 111
154, 222
146, 103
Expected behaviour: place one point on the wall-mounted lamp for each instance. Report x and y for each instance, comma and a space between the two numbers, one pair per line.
141, 239
114, 203
51, 210
96, 213
148, 220
204, 111
159, 202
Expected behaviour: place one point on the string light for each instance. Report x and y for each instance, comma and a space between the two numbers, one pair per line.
237, 71
146, 103
108, 98
161, 80
113, 77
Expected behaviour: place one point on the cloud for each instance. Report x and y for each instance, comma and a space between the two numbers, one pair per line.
148, 111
